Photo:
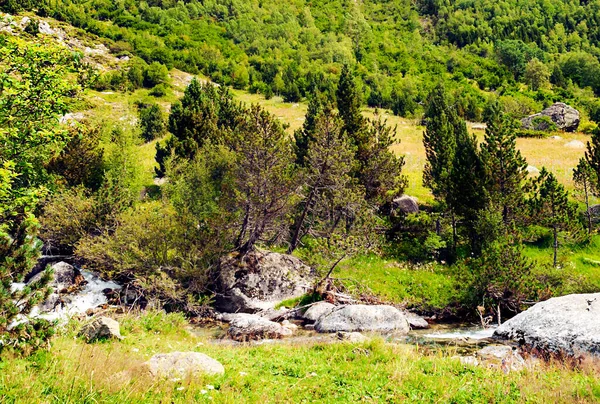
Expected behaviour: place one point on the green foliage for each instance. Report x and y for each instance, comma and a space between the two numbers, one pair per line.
155, 75
151, 121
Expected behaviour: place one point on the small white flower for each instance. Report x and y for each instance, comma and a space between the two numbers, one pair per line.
203, 391
210, 387
180, 388
135, 350
243, 373
313, 374
176, 379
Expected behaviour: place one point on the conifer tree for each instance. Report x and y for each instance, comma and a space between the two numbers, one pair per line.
592, 155
506, 169
440, 144
327, 177
551, 207
585, 178
348, 103
304, 135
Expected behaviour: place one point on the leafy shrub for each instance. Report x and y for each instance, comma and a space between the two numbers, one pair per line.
159, 90
155, 74
151, 121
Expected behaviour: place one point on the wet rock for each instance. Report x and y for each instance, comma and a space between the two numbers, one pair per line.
182, 364
247, 327
360, 317
101, 328
561, 325
260, 280
353, 337
415, 321
317, 310
64, 276
565, 117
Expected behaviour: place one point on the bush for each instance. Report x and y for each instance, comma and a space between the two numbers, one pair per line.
159, 91
151, 121
155, 74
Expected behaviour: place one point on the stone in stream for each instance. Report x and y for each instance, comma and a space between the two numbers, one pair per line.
415, 321
359, 317
101, 328
182, 364
561, 325
64, 276
260, 280
317, 310
352, 337
246, 327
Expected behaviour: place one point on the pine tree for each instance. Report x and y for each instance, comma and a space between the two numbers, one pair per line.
585, 178
327, 177
467, 180
303, 136
592, 155
440, 144
551, 207
349, 103
506, 169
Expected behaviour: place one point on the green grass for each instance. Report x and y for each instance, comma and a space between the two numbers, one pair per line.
376, 371
428, 286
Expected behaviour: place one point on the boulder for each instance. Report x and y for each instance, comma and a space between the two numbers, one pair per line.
405, 205
246, 327
505, 357
565, 117
64, 276
575, 144
352, 337
101, 328
317, 310
562, 325
359, 317
182, 364
415, 321
532, 170
260, 280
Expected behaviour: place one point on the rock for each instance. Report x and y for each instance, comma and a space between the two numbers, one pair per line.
45, 29
565, 117
101, 328
182, 364
555, 137
563, 325
247, 327
290, 326
358, 317
415, 321
405, 205
64, 276
317, 310
575, 144
260, 280
353, 337
479, 126
532, 170
504, 357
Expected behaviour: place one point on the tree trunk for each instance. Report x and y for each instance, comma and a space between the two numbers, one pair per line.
240, 237
296, 236
555, 246
587, 207
454, 236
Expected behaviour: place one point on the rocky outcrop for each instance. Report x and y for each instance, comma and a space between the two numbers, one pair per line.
247, 327
317, 311
563, 116
260, 280
404, 205
358, 317
101, 328
182, 364
564, 325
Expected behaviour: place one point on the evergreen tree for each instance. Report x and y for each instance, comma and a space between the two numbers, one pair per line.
303, 136
592, 155
327, 177
264, 178
467, 180
151, 121
585, 178
440, 144
349, 103
506, 169
551, 207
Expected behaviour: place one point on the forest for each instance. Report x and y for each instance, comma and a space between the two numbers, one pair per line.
161, 200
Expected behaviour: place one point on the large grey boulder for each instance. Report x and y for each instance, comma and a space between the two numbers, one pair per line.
260, 280
566, 325
359, 317
247, 327
317, 310
415, 321
565, 117
405, 205
101, 328
182, 364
